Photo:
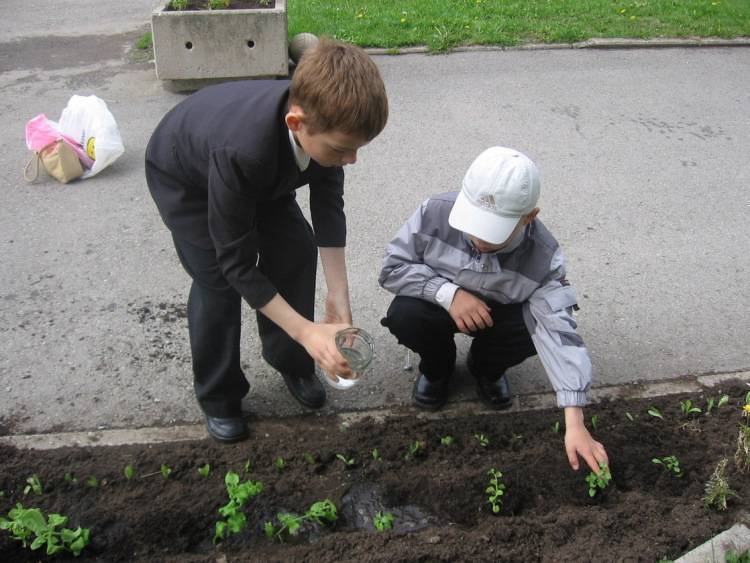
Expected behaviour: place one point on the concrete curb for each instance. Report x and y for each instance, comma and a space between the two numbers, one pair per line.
596, 43
734, 540
522, 403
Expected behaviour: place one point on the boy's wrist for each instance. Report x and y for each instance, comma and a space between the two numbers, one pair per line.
573, 417
445, 294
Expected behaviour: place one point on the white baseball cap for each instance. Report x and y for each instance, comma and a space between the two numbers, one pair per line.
500, 187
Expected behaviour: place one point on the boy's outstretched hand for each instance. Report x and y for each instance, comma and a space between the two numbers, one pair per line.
578, 442
469, 312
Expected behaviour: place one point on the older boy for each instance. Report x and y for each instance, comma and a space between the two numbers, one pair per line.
480, 262
223, 167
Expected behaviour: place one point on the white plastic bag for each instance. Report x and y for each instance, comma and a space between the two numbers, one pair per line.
87, 120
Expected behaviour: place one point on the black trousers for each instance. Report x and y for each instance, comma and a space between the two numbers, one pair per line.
288, 257
428, 330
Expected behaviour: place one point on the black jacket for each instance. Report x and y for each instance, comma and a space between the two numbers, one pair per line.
220, 152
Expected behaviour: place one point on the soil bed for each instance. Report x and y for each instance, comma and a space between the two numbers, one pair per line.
193, 5
437, 497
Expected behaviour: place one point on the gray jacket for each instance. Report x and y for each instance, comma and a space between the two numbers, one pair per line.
428, 253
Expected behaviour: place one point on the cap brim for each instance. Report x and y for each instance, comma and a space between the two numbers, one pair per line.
478, 222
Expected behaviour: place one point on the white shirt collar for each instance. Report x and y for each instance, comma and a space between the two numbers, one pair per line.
300, 156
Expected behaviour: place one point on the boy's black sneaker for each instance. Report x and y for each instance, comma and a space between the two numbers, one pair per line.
226, 430
430, 394
495, 392
307, 389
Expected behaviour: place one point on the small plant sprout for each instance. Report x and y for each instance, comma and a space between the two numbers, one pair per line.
129, 472
34, 530
595, 421
687, 407
248, 467
414, 450
599, 480
279, 463
716, 402
204, 470
630, 416
742, 455
33, 484
165, 470
308, 457
495, 490
556, 427
92, 481
348, 461
670, 463
653, 411
322, 512
376, 454
383, 521
447, 440
69, 479
239, 494
483, 440
218, 4
717, 488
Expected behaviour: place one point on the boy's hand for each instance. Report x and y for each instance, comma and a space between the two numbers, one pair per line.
319, 341
578, 441
469, 312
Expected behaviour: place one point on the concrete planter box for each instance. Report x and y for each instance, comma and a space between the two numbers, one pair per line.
212, 45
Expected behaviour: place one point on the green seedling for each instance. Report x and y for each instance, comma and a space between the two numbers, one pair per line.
165, 470
2, 493
145, 41
630, 416
204, 470
556, 427
595, 421
383, 522
414, 450
69, 479
33, 484
178, 4
348, 461
279, 463
239, 494
92, 482
447, 440
599, 480
129, 472
495, 490
653, 411
34, 530
717, 488
514, 439
483, 440
344, 427
742, 454
248, 467
376, 454
308, 457
687, 407
716, 402
218, 4
322, 512
670, 463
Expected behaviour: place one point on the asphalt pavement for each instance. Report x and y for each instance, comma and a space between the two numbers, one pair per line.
645, 168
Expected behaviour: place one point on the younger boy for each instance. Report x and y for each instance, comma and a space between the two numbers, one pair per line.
480, 262
223, 167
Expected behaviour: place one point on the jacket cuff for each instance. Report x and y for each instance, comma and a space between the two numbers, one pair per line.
444, 296
571, 399
431, 287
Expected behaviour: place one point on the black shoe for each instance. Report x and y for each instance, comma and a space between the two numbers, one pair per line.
430, 394
307, 389
226, 430
495, 393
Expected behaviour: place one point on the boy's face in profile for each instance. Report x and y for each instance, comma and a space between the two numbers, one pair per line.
485, 247
329, 148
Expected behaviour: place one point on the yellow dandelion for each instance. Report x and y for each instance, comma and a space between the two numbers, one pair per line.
746, 408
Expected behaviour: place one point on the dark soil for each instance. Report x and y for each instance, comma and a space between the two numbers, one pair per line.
437, 497
233, 5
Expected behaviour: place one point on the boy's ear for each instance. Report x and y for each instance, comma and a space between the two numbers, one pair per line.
294, 118
530, 216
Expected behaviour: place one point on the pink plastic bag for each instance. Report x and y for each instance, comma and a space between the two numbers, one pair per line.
41, 132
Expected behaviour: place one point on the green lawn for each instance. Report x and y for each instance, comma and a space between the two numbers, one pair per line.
442, 24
